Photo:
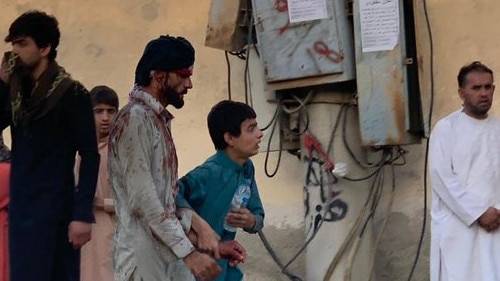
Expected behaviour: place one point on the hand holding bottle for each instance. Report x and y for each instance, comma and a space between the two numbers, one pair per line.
241, 218
239, 201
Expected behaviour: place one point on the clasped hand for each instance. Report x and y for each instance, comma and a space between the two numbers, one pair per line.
490, 219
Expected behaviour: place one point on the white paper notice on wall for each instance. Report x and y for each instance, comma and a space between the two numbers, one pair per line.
379, 24
307, 10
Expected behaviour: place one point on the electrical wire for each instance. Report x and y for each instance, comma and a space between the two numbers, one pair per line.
431, 63
365, 177
302, 108
348, 148
384, 222
378, 183
306, 124
243, 55
250, 94
348, 240
375, 192
274, 121
389, 152
335, 127
320, 223
302, 103
276, 259
245, 73
284, 268
373, 197
268, 151
356, 225
249, 42
318, 227
228, 76
239, 54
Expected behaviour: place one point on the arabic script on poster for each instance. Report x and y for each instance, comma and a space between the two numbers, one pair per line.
379, 24
306, 10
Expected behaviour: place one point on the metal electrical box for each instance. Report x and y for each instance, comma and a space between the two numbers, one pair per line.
390, 109
305, 43
228, 25
291, 50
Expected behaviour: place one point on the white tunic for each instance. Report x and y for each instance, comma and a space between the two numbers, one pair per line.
465, 173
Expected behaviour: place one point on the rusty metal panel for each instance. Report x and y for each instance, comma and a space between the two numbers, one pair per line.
301, 49
382, 91
227, 27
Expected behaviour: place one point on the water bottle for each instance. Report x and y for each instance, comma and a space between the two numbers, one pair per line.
240, 200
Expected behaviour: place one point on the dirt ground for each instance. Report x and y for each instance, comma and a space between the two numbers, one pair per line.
285, 243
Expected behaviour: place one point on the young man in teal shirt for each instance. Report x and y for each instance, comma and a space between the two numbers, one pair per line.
210, 187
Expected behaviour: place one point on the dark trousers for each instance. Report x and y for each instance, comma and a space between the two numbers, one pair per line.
42, 252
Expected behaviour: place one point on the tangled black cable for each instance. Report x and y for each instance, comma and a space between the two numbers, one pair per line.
228, 75
276, 259
375, 194
284, 267
276, 118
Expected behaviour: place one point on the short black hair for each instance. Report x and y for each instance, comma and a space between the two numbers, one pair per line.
104, 95
226, 117
43, 28
475, 66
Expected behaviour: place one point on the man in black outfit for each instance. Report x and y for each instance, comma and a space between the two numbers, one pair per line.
51, 120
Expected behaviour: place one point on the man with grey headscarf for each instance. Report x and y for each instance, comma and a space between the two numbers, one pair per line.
150, 240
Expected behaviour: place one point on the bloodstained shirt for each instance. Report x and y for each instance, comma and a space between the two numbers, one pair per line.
150, 241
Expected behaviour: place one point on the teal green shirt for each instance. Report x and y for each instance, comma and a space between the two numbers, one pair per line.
209, 189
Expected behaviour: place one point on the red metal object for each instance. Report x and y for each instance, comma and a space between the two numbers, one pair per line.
312, 144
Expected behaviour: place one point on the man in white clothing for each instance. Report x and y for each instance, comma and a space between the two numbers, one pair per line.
465, 173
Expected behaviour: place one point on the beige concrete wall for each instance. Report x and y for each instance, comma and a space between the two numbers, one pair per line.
101, 44
102, 41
